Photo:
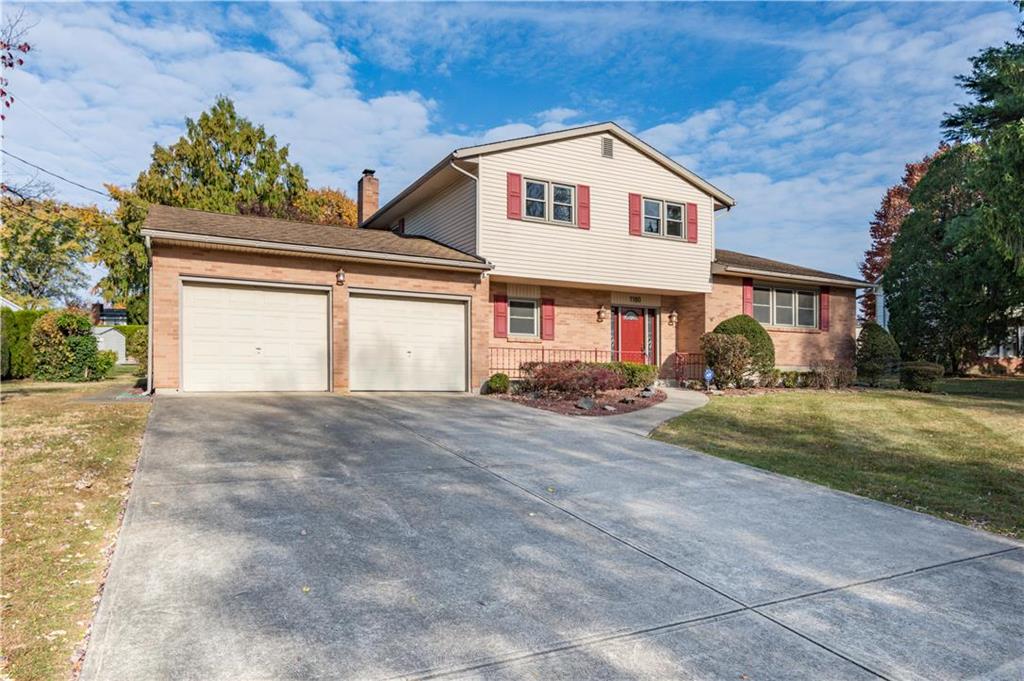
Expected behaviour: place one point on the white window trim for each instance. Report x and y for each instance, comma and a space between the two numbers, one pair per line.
549, 202
536, 318
663, 219
816, 295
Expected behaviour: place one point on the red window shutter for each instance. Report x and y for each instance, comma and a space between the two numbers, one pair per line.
823, 305
515, 196
634, 214
500, 316
748, 297
547, 319
583, 205
691, 222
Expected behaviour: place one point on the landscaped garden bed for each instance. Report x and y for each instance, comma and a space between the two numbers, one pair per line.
581, 388
604, 404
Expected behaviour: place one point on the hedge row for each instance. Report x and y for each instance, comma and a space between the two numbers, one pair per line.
16, 345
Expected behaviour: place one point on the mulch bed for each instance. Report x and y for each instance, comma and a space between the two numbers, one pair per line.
612, 397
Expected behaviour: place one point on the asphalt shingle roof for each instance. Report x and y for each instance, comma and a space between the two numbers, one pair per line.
273, 230
753, 262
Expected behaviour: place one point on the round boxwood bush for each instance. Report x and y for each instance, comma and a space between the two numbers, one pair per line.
65, 349
762, 349
920, 376
498, 383
877, 353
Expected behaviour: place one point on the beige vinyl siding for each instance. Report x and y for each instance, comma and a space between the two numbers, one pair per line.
606, 254
449, 216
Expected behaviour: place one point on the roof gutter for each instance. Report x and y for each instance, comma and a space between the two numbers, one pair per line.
346, 253
717, 268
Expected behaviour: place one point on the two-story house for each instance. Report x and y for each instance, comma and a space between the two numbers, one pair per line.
585, 243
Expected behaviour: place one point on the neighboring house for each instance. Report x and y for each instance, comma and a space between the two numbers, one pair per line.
9, 304
580, 244
108, 316
109, 338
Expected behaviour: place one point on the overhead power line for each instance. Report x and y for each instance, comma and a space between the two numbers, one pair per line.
58, 176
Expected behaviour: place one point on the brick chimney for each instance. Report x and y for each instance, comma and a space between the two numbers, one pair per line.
369, 195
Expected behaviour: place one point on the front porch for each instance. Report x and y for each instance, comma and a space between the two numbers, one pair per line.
539, 323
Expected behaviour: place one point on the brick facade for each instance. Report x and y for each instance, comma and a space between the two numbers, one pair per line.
794, 348
170, 262
577, 326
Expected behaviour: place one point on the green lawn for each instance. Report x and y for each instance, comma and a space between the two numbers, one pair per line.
65, 472
957, 453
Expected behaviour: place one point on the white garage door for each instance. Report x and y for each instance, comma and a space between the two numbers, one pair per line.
406, 343
253, 338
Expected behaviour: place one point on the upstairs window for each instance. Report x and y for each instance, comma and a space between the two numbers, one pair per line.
562, 203
652, 216
549, 201
536, 199
664, 218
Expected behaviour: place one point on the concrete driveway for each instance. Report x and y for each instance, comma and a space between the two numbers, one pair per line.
323, 537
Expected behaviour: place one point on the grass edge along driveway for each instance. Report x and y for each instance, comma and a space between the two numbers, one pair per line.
67, 467
957, 453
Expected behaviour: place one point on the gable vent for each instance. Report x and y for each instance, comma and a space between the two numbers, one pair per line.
606, 147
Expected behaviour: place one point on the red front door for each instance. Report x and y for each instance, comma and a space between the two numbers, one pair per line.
631, 335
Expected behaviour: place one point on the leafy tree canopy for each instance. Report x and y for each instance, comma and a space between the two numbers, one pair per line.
994, 120
43, 247
223, 163
326, 206
950, 291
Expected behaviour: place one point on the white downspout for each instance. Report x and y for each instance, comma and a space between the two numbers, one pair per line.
149, 320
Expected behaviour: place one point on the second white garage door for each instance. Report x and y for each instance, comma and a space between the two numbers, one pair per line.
406, 343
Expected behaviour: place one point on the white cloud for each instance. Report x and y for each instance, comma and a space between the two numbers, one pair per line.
807, 157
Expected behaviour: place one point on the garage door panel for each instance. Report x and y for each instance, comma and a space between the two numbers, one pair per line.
254, 338
407, 344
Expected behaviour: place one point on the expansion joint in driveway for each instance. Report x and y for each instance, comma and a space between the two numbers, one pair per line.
743, 607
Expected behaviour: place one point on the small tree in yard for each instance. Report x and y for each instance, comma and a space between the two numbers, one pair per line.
877, 353
727, 355
762, 349
66, 350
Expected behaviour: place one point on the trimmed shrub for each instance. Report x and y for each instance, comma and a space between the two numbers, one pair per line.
137, 347
498, 383
920, 376
65, 349
771, 379
790, 379
127, 330
572, 379
635, 374
727, 355
762, 349
877, 353
826, 374
18, 357
105, 361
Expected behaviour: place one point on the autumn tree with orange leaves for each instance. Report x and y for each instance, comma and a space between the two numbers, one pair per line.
886, 225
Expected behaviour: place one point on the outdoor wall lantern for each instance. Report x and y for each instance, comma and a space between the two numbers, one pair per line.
341, 277
673, 318
602, 313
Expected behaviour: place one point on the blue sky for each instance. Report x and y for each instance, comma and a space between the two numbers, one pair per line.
804, 112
